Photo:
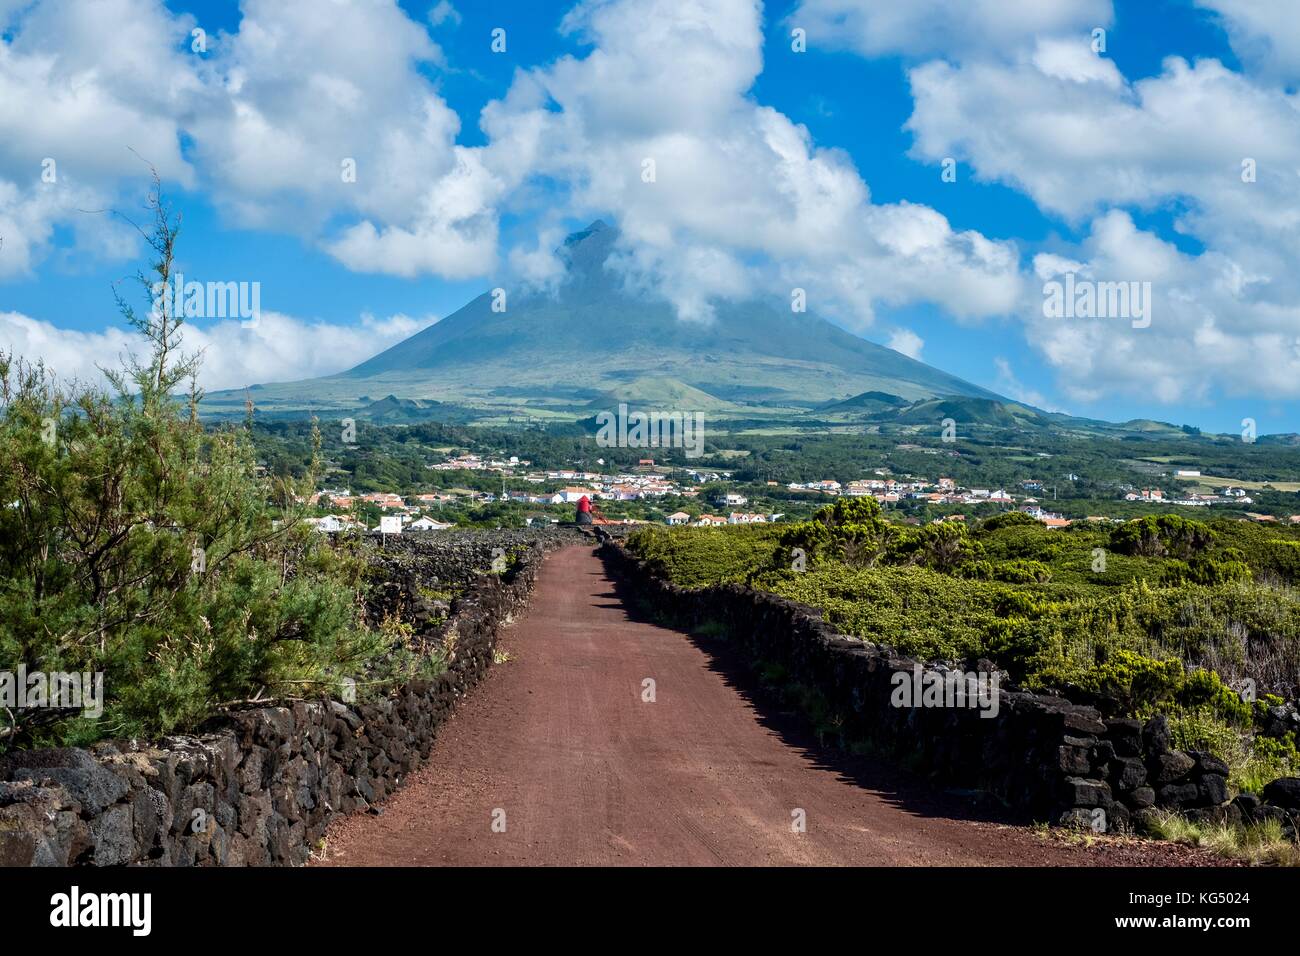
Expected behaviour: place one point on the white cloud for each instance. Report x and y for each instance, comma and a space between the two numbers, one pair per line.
741, 197
279, 348
1008, 384
1077, 144
301, 94
538, 265
27, 221
1073, 60
1262, 34
444, 12
743, 200
907, 342
87, 90
920, 27
1065, 127
85, 83
1208, 333
273, 111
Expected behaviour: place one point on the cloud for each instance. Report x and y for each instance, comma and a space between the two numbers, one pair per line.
1009, 385
538, 265
1076, 141
332, 127
27, 222
907, 342
332, 116
319, 123
717, 195
924, 27
82, 86
279, 348
1215, 147
1261, 34
444, 12
1210, 331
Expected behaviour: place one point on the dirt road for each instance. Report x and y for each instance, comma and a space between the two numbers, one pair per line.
557, 758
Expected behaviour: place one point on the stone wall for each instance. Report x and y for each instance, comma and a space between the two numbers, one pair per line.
262, 784
453, 560
1042, 756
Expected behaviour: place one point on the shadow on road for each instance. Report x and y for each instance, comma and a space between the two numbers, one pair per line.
883, 777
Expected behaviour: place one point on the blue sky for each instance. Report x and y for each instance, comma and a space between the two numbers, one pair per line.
1064, 155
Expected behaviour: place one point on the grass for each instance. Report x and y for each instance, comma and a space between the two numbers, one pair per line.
1256, 844
1210, 482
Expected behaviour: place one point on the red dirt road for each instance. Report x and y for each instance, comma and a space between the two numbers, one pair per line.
586, 772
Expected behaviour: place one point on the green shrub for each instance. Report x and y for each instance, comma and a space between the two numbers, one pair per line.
851, 530
1161, 535
1010, 519
1022, 572
698, 557
1219, 567
143, 546
1268, 758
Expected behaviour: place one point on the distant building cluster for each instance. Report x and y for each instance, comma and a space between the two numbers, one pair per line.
944, 491
648, 482
476, 463
1223, 496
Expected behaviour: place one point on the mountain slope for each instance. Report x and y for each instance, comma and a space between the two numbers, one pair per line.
594, 341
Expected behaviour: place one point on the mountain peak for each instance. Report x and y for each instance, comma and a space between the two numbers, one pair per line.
593, 337
600, 225
585, 252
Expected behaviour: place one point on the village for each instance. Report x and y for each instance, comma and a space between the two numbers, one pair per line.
648, 482
413, 513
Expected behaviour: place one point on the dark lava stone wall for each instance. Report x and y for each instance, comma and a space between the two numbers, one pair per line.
1042, 756
261, 787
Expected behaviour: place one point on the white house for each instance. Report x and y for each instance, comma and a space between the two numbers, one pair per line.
569, 496
329, 523
428, 524
710, 521
678, 517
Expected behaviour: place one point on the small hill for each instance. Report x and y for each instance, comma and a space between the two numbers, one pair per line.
971, 411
